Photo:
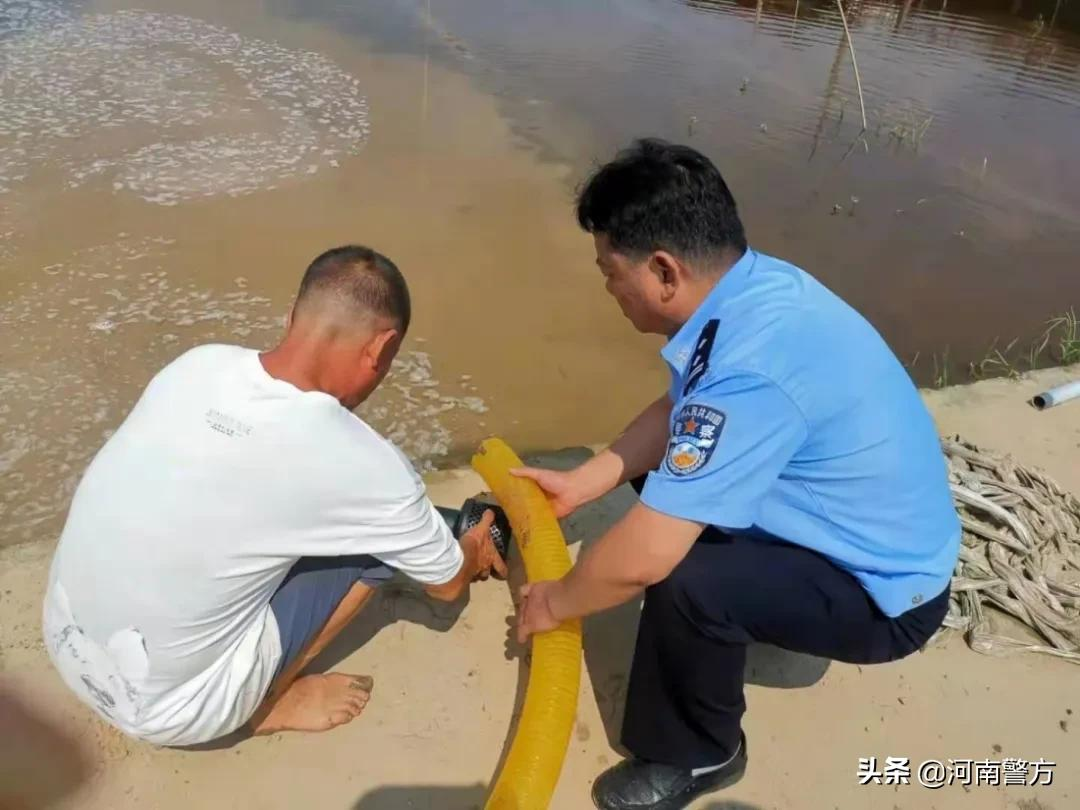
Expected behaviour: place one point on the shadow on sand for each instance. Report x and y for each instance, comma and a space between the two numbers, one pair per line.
609, 637
608, 647
423, 797
397, 601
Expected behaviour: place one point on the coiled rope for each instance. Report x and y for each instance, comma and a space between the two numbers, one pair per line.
1020, 555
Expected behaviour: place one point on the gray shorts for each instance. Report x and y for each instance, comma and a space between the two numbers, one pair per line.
311, 591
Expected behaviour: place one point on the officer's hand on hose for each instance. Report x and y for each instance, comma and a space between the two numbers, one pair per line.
563, 492
535, 613
488, 558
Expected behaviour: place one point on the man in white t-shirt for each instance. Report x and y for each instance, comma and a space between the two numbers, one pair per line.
240, 517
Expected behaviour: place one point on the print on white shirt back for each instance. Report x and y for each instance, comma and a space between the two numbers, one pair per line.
107, 679
186, 522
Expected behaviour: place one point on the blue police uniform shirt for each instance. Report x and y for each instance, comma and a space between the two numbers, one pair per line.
793, 419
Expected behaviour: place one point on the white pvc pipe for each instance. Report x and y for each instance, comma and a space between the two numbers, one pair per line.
1055, 396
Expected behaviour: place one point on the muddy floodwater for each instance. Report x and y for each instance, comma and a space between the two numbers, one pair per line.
169, 167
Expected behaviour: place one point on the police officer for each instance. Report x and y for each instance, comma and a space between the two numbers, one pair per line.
792, 486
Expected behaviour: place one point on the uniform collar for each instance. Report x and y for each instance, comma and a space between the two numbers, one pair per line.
681, 345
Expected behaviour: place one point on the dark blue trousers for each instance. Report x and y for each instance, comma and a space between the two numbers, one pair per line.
685, 697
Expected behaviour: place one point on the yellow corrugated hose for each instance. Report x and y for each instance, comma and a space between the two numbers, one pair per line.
531, 770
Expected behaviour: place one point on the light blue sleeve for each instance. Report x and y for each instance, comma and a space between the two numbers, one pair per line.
731, 438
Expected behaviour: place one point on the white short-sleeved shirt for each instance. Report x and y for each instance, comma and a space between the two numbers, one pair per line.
183, 526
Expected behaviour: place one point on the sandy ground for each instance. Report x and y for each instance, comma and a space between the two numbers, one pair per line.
448, 680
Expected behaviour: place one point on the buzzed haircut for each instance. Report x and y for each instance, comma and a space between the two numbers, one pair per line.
359, 280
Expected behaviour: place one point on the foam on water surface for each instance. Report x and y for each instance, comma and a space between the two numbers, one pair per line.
20, 16
85, 335
173, 110
166, 107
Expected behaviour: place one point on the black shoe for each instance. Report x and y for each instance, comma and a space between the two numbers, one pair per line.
635, 784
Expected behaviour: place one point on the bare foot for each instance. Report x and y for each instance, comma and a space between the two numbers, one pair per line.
317, 703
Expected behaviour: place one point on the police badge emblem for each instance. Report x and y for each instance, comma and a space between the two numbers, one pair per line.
693, 438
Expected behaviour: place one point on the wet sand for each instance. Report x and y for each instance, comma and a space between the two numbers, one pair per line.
445, 690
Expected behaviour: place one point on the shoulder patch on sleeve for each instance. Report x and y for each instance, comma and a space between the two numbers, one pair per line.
693, 438
699, 363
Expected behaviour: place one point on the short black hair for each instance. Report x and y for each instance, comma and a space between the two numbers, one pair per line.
657, 195
360, 278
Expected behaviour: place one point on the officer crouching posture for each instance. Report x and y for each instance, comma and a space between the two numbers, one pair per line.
793, 489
